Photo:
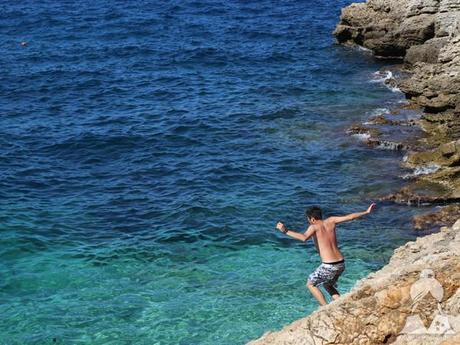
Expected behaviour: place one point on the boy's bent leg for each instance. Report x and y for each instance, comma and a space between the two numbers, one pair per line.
316, 292
335, 274
331, 290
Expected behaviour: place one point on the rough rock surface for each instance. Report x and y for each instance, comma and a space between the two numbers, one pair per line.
445, 216
391, 27
425, 34
420, 282
435, 86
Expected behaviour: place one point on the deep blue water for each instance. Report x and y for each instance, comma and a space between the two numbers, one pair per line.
147, 149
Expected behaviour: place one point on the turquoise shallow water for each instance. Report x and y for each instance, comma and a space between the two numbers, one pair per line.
147, 151
211, 294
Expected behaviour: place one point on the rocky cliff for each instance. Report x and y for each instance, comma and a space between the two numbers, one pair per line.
415, 299
425, 35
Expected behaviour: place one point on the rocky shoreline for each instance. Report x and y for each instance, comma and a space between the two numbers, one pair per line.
425, 36
389, 306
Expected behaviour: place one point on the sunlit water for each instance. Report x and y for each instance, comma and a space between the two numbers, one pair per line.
146, 152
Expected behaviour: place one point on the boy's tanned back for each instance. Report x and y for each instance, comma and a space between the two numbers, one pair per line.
323, 233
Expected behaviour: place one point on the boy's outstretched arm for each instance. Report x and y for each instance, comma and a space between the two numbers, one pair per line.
294, 234
351, 216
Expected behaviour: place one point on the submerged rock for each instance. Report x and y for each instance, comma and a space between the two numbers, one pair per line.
414, 299
421, 192
444, 216
376, 137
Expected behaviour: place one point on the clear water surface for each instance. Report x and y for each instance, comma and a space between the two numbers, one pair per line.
147, 150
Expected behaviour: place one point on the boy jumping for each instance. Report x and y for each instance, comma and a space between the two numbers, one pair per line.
323, 233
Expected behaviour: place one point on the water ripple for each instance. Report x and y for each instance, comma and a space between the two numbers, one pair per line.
147, 150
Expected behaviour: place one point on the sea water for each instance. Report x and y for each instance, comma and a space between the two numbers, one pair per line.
147, 150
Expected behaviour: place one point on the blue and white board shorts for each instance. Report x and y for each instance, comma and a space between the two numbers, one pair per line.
327, 273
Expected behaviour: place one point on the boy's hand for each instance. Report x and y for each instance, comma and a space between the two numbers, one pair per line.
281, 227
371, 208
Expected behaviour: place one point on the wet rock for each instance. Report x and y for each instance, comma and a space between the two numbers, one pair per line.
421, 192
384, 121
409, 122
387, 144
360, 129
392, 83
372, 137
381, 120
444, 216
445, 155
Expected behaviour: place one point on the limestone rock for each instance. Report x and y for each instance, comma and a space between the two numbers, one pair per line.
444, 216
378, 308
435, 86
390, 27
426, 34
447, 154
426, 52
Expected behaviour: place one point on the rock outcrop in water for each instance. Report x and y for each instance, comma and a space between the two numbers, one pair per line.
425, 34
415, 299
398, 28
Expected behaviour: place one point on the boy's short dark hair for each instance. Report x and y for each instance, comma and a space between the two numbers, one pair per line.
314, 212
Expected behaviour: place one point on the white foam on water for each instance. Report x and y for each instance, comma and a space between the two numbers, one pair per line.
362, 136
376, 112
364, 49
389, 145
379, 111
422, 170
383, 77
426, 169
393, 88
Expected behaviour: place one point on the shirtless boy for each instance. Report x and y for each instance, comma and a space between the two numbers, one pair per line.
323, 233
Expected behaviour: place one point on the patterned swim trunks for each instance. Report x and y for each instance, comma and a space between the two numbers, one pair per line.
327, 273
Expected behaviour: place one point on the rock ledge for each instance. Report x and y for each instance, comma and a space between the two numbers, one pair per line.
421, 282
